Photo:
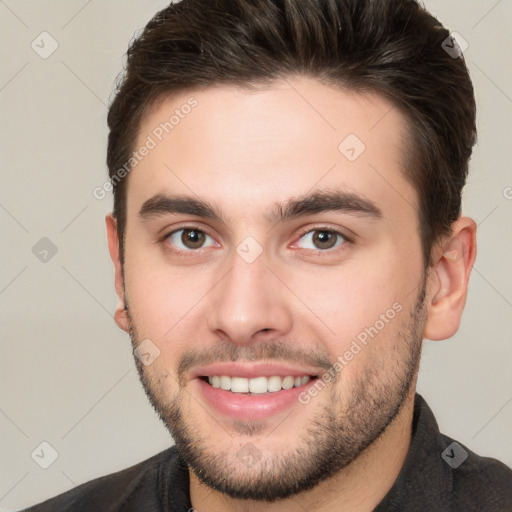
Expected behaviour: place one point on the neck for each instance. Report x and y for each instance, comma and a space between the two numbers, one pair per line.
359, 487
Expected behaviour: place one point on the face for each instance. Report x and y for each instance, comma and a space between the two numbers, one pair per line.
274, 280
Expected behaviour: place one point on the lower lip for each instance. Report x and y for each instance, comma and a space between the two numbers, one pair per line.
250, 407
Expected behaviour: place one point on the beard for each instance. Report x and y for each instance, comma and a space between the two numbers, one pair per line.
342, 428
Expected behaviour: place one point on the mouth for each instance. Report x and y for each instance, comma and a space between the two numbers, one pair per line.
252, 390
247, 395
260, 385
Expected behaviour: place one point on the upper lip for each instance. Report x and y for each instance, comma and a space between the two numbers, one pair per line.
249, 370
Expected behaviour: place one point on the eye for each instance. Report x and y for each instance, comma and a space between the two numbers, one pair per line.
188, 239
321, 239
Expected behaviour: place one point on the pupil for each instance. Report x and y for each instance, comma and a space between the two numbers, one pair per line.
192, 238
324, 239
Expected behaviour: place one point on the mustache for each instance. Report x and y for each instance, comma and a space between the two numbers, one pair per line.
272, 351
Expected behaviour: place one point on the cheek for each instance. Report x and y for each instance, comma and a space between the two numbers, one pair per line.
363, 300
161, 308
160, 301
161, 297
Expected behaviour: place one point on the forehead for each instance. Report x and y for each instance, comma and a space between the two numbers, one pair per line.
247, 149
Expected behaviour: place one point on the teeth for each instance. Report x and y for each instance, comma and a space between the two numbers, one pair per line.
224, 383
239, 385
288, 383
274, 384
257, 384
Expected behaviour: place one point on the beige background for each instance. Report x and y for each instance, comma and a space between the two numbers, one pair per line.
66, 371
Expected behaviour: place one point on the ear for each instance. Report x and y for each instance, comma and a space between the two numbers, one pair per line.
120, 316
448, 280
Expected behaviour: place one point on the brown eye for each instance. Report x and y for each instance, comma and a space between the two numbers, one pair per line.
189, 239
321, 239
324, 239
192, 238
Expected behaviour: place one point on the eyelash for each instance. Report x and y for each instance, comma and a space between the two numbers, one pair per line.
193, 252
326, 229
180, 252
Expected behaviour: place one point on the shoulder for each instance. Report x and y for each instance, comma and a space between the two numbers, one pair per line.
442, 474
476, 480
112, 492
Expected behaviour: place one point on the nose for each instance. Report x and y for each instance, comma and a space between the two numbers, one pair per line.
250, 304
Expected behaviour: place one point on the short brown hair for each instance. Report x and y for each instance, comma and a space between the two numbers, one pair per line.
392, 47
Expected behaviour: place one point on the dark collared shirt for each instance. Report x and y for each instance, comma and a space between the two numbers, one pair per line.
438, 475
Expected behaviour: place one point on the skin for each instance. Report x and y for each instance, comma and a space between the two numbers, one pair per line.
245, 152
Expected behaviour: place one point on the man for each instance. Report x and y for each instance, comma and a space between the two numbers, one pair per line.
286, 231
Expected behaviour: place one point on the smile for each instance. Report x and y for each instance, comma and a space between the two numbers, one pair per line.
256, 385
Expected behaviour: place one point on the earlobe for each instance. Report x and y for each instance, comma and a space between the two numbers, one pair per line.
121, 314
448, 280
121, 317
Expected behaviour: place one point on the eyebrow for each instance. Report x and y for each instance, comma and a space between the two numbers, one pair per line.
317, 202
